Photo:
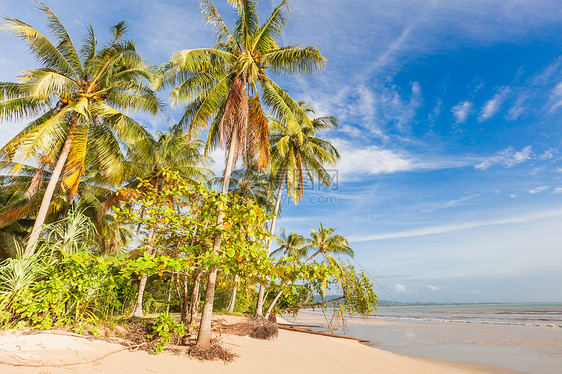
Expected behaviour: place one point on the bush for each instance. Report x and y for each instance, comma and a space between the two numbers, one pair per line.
166, 330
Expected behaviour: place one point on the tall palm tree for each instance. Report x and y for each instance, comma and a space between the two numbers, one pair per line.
78, 100
225, 83
326, 243
295, 155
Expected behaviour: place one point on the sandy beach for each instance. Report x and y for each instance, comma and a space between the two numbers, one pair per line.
291, 352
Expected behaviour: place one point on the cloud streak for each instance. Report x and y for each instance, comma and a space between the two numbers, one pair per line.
493, 105
436, 230
508, 157
461, 111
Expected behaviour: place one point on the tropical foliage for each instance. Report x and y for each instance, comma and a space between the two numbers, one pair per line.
100, 219
78, 100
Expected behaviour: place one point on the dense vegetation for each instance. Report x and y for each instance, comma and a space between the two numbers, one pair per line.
100, 219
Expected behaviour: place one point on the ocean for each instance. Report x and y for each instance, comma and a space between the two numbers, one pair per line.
503, 338
502, 314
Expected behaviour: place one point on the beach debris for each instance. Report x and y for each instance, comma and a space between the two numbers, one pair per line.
254, 327
216, 352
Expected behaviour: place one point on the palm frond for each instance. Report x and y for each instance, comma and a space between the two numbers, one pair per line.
66, 45
47, 54
294, 60
212, 17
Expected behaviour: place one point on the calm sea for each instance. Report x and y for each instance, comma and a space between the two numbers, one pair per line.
507, 314
506, 338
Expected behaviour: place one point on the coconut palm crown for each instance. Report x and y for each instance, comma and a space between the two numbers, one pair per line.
228, 84
79, 101
296, 155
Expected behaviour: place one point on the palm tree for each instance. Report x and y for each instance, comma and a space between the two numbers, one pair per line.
225, 83
328, 244
292, 245
293, 156
251, 184
78, 100
325, 243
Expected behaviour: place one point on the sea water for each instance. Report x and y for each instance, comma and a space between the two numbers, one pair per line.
514, 338
534, 314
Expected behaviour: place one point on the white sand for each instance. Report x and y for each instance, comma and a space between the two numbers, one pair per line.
291, 352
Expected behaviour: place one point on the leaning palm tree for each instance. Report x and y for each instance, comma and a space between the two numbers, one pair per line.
225, 84
327, 244
22, 194
78, 100
324, 242
293, 245
294, 156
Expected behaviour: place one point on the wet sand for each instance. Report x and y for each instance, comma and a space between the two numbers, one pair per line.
505, 348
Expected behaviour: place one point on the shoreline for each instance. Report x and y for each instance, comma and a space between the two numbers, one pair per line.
292, 351
499, 348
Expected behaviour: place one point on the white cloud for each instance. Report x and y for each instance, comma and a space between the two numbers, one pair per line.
432, 288
493, 105
548, 154
508, 158
539, 189
461, 111
513, 196
436, 230
370, 160
374, 160
399, 288
557, 190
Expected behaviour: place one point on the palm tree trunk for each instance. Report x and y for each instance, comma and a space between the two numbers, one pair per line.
232, 300
53, 181
261, 298
137, 310
204, 337
272, 305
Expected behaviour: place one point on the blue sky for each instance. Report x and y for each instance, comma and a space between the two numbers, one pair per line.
450, 182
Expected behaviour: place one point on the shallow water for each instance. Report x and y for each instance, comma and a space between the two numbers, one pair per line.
513, 338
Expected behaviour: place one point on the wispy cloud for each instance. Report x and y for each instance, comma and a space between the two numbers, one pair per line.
432, 288
508, 157
461, 111
539, 189
399, 288
374, 160
493, 105
518, 108
548, 154
436, 230
557, 190
555, 100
